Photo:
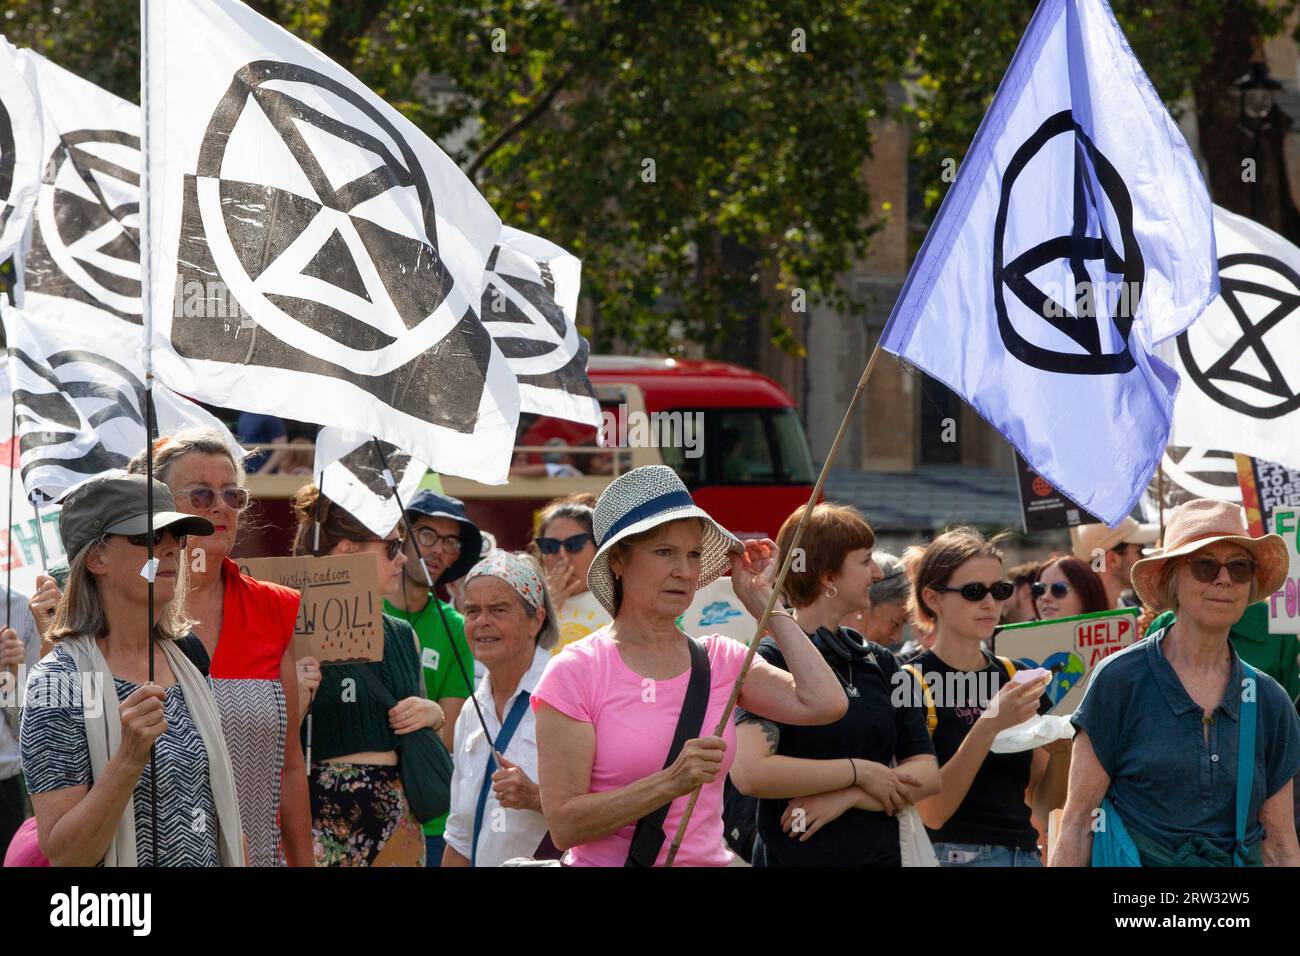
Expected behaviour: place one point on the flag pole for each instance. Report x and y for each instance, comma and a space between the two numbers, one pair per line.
786, 560
40, 537
9, 527
146, 310
433, 597
1160, 495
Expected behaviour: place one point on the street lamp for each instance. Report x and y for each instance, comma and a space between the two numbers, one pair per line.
1257, 90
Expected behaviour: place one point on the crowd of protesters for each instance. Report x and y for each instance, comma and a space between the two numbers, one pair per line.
870, 729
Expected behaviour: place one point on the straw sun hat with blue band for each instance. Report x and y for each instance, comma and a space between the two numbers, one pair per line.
642, 499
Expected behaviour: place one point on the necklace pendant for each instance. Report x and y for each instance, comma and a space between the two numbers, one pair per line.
851, 690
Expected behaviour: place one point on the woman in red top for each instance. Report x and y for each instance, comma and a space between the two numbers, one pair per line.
246, 626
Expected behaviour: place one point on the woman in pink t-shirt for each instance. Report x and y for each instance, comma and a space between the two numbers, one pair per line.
607, 706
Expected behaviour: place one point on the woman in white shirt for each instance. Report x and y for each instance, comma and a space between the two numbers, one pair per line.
496, 811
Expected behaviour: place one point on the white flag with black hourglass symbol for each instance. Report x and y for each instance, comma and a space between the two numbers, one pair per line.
334, 252
20, 150
82, 256
80, 400
351, 473
530, 306
1240, 361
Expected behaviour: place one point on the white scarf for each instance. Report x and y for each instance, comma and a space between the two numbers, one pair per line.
104, 737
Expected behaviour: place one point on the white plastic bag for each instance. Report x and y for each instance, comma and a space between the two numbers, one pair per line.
1034, 732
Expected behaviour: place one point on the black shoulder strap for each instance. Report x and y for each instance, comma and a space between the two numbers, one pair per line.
193, 648
648, 839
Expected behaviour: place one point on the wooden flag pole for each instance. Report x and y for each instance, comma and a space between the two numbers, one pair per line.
1160, 496
786, 560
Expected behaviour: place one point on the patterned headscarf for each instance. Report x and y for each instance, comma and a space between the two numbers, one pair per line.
513, 570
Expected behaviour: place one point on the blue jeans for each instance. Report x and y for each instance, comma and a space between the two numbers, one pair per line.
974, 854
433, 847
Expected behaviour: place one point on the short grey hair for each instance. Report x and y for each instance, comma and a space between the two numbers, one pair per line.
895, 587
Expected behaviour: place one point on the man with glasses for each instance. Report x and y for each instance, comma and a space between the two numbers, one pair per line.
449, 544
1112, 554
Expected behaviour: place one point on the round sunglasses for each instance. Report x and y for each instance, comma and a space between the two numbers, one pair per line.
1059, 589
203, 498
1001, 590
572, 544
1206, 570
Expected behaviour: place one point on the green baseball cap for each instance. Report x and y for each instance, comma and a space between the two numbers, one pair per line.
118, 503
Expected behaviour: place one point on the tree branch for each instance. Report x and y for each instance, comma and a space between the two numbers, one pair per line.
514, 128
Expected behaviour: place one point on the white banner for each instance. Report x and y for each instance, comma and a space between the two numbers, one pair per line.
327, 256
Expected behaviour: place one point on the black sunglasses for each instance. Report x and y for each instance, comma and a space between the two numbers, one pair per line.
203, 498
394, 546
142, 540
1001, 590
572, 544
1206, 570
1059, 589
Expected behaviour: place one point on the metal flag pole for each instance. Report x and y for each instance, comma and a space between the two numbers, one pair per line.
9, 528
433, 597
786, 560
40, 537
146, 315
1160, 496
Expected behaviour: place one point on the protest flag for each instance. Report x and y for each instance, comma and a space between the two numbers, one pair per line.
81, 261
358, 481
1237, 362
21, 146
335, 252
530, 307
1077, 235
79, 399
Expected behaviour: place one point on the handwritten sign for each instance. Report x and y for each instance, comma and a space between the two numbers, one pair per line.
1070, 647
340, 618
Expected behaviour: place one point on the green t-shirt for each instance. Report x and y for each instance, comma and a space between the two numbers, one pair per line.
442, 678
1274, 654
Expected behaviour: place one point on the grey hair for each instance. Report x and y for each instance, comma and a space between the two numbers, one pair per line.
200, 439
895, 586
80, 611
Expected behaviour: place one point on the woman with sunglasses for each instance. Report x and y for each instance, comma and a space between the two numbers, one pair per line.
565, 546
245, 629
1065, 586
87, 763
980, 816
360, 815
1185, 751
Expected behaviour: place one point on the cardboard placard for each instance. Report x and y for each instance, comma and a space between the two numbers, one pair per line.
1070, 647
340, 618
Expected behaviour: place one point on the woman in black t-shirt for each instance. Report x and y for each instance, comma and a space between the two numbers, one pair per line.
828, 794
980, 816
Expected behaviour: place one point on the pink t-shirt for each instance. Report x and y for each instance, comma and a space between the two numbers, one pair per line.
635, 718
24, 848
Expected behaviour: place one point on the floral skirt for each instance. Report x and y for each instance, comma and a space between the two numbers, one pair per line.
360, 817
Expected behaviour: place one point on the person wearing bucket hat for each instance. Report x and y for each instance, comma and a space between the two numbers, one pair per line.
1188, 748
88, 767
450, 544
611, 707
511, 625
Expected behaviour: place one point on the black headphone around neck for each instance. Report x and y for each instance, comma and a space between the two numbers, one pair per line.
843, 645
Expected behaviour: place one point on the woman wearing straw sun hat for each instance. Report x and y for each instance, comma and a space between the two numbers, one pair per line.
1188, 751
624, 716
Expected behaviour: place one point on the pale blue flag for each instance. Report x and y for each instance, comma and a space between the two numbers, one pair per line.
1077, 235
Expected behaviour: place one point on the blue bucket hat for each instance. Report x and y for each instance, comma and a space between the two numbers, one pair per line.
434, 505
